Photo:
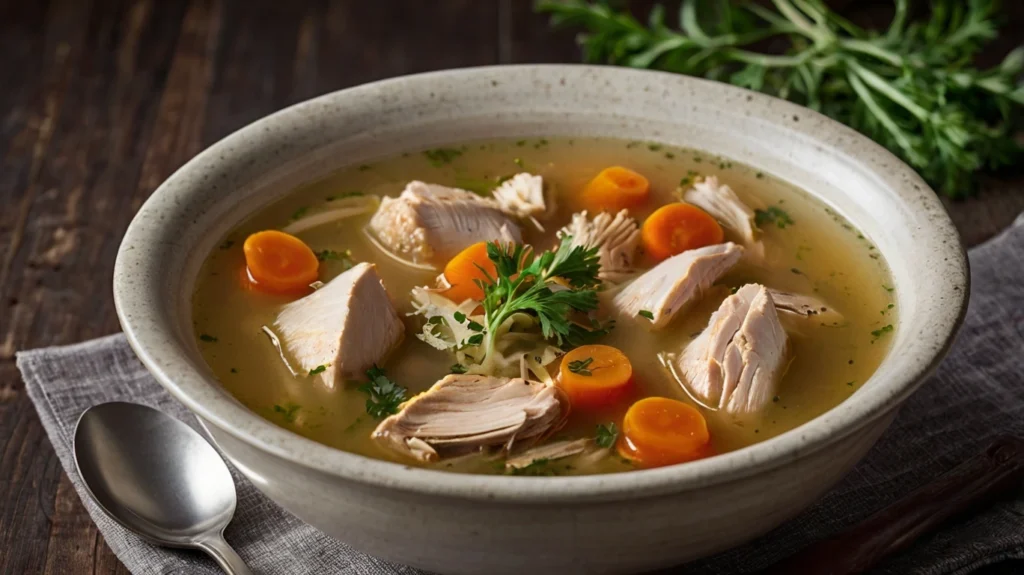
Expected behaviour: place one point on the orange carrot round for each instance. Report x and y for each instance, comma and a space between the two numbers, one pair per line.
658, 431
595, 376
615, 188
462, 271
675, 228
279, 263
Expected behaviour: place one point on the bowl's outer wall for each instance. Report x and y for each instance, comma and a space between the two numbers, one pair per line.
448, 535
188, 215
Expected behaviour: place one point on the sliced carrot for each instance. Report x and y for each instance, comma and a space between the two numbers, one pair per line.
277, 262
658, 431
462, 271
678, 227
615, 188
595, 376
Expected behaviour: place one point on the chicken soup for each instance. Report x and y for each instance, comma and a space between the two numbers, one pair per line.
544, 307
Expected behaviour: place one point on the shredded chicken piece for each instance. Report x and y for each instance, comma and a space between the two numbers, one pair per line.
616, 238
345, 326
724, 205
805, 306
547, 452
669, 287
734, 365
521, 196
464, 413
428, 223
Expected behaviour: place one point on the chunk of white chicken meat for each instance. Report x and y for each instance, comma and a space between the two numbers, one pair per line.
465, 413
547, 452
661, 292
722, 203
735, 364
805, 306
615, 237
428, 223
522, 196
346, 326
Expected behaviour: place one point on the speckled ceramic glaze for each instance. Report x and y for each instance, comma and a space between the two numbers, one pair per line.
455, 523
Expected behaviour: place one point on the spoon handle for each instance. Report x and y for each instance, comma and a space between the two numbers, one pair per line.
215, 546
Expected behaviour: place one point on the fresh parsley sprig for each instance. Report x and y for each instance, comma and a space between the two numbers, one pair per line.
911, 87
551, 287
384, 394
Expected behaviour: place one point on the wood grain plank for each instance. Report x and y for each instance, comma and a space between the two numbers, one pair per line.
94, 122
28, 472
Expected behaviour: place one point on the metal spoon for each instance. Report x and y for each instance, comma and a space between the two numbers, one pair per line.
159, 478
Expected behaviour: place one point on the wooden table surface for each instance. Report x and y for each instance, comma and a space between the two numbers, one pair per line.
101, 100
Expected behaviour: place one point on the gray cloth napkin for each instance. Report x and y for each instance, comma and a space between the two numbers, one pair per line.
976, 395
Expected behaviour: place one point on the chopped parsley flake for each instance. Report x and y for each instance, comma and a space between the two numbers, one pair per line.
607, 434
646, 313
474, 326
459, 316
773, 215
580, 367
318, 370
458, 368
880, 332
654, 147
344, 256
227, 244
441, 156
385, 395
207, 338
887, 288
288, 411
300, 212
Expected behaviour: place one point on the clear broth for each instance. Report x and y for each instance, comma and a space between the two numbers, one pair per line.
819, 254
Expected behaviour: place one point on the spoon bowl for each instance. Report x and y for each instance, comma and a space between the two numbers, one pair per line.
157, 477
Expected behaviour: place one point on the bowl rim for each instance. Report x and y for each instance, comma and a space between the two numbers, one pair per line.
225, 414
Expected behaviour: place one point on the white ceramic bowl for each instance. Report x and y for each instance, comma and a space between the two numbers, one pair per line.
457, 523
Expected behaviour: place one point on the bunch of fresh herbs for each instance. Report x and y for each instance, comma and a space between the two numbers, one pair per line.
912, 87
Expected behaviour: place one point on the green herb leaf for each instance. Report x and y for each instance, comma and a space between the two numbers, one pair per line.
385, 394
457, 368
344, 256
607, 435
300, 212
646, 313
911, 88
523, 284
881, 331
318, 370
442, 156
773, 215
207, 338
227, 244
288, 411
580, 366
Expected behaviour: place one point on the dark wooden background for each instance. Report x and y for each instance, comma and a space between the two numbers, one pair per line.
101, 100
